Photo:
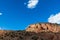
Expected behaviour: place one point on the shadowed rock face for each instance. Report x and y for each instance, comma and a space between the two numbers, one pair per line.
43, 27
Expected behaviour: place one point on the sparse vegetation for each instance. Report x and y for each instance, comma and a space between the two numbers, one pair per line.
28, 35
23, 35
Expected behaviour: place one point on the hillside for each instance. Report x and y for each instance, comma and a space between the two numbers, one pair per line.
40, 31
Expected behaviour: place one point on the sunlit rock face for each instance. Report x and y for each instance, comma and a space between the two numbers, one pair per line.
2, 32
43, 27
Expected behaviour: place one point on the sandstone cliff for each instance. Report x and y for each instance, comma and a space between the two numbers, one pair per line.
43, 27
39, 31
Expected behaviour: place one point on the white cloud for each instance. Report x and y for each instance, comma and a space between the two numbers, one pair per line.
54, 18
0, 13
32, 3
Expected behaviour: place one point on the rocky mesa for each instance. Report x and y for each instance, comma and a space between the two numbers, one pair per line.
44, 27
38, 31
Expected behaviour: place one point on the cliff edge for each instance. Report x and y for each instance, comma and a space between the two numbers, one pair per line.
43, 27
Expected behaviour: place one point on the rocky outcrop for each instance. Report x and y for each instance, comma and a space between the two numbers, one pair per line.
43, 27
39, 31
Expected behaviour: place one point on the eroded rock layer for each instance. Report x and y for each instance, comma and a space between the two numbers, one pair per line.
43, 27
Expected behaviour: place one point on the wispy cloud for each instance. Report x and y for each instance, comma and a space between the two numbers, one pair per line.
32, 3
0, 28
0, 13
54, 18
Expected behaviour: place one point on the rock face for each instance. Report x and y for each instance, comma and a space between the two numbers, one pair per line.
40, 31
43, 27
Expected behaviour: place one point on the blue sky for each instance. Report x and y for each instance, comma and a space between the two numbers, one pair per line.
16, 15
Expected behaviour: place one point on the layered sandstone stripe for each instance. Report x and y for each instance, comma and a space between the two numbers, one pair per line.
43, 27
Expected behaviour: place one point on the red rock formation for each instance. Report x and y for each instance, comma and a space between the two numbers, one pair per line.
43, 27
